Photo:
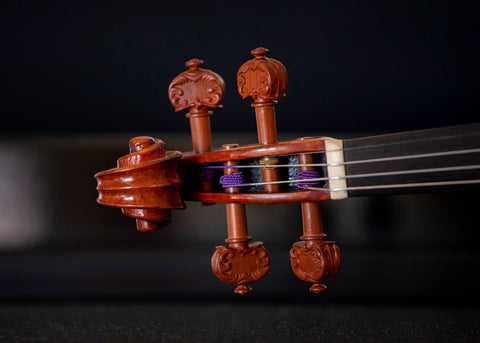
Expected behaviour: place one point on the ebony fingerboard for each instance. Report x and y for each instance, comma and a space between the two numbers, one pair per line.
391, 146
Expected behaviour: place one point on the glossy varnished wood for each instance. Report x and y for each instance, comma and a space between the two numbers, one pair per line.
241, 263
313, 259
197, 89
264, 80
259, 198
256, 151
146, 183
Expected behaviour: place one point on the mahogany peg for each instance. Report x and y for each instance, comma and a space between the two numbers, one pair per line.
197, 89
145, 185
264, 80
313, 259
241, 263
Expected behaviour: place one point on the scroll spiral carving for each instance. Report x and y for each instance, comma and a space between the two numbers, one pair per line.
145, 184
241, 266
317, 263
196, 87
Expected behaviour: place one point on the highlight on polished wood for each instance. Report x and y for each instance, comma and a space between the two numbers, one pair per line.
151, 181
146, 184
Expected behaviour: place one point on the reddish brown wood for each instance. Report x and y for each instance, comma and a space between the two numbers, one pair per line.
146, 183
264, 80
316, 264
241, 266
236, 214
314, 260
252, 152
258, 198
312, 219
241, 263
256, 151
197, 89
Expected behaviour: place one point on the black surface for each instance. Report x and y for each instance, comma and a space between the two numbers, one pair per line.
235, 322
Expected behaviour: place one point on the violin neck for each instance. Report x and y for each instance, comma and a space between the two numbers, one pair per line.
437, 158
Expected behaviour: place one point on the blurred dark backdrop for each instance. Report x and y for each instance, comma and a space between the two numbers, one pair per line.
80, 78
96, 66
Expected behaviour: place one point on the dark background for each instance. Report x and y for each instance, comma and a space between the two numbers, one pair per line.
80, 78
81, 66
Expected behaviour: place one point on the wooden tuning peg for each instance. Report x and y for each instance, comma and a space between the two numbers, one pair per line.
197, 89
240, 263
313, 259
264, 80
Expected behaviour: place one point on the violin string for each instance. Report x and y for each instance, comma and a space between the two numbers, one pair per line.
372, 160
390, 173
400, 185
370, 146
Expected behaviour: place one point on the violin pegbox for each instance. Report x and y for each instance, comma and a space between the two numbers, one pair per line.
149, 181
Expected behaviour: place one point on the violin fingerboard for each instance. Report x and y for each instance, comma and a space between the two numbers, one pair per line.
445, 154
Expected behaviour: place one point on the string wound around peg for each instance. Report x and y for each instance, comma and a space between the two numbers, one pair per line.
233, 180
309, 178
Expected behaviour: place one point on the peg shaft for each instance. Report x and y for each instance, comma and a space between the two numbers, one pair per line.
241, 263
311, 215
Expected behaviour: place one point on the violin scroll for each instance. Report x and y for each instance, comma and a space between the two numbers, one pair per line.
146, 184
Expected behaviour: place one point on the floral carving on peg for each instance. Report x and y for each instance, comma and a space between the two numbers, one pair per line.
262, 78
315, 262
196, 88
241, 266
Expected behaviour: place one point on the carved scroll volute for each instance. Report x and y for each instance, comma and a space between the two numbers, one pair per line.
146, 184
197, 89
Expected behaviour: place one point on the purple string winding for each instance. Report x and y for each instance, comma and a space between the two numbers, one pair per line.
233, 180
237, 180
305, 175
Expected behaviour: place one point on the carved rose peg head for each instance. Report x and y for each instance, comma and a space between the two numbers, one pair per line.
196, 88
262, 78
